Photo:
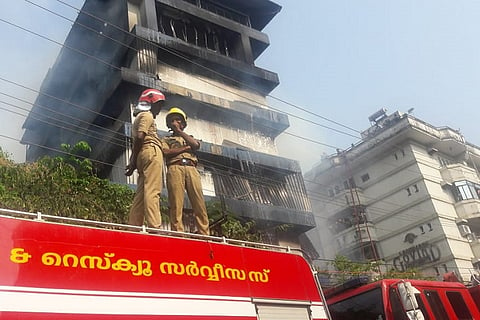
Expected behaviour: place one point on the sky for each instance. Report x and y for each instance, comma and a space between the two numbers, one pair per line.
338, 62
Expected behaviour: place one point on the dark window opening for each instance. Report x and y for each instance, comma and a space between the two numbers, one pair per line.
365, 177
459, 305
347, 219
368, 305
436, 305
397, 308
200, 33
261, 184
421, 306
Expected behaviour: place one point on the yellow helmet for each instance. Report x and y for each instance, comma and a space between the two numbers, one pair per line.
177, 111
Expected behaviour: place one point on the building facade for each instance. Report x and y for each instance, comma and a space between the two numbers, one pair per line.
201, 54
406, 194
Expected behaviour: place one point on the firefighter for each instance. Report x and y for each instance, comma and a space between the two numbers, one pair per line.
147, 159
182, 174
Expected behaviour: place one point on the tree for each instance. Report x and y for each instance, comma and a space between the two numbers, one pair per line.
227, 225
63, 186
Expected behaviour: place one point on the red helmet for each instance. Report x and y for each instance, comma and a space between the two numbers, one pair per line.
151, 96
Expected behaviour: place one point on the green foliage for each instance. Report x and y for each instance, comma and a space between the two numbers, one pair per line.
230, 226
346, 269
77, 156
63, 186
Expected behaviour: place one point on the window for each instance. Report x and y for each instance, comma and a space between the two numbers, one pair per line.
458, 305
198, 33
421, 306
396, 155
466, 190
367, 305
365, 177
436, 305
444, 162
397, 309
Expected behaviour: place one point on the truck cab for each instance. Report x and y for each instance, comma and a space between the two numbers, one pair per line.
398, 299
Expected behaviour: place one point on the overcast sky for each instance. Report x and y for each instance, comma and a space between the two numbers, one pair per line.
339, 60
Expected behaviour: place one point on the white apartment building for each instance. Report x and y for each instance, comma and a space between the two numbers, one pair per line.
406, 194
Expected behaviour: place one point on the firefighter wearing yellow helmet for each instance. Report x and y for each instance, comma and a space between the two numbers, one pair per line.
182, 175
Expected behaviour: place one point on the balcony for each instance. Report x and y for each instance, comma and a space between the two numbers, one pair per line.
355, 235
457, 172
349, 197
468, 209
475, 244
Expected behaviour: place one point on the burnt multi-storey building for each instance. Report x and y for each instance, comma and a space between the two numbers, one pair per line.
201, 54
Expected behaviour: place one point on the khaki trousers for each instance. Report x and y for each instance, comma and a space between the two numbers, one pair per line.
146, 203
179, 179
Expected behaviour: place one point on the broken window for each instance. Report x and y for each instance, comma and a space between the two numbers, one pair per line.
199, 33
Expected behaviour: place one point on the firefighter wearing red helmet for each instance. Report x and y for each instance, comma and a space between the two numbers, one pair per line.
147, 159
182, 174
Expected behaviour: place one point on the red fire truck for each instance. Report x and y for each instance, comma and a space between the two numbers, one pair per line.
396, 299
55, 268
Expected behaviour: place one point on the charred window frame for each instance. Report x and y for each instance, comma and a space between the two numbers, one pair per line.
253, 182
223, 11
199, 33
346, 219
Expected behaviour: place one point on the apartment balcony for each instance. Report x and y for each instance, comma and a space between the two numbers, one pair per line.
349, 197
457, 172
356, 235
475, 245
468, 209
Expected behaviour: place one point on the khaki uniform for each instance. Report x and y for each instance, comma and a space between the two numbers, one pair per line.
146, 203
182, 175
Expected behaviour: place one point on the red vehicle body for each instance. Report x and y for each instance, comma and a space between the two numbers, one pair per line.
51, 270
475, 292
434, 300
